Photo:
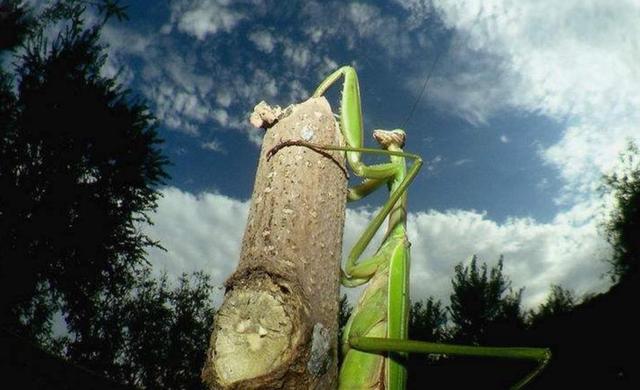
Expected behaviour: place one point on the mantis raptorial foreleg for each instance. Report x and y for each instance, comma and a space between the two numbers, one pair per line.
375, 337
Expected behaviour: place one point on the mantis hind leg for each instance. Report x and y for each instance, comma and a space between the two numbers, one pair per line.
376, 344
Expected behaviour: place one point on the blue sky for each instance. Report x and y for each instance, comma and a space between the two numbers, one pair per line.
466, 157
528, 104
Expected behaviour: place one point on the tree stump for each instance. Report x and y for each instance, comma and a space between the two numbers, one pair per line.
277, 327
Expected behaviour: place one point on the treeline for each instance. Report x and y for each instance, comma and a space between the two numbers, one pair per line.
592, 338
80, 164
484, 311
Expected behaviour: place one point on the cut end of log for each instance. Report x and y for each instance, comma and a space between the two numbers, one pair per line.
254, 333
253, 336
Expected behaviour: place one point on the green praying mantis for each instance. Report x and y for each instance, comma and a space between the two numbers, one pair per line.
375, 340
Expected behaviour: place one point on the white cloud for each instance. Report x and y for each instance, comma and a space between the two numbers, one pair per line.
535, 255
473, 94
371, 23
183, 72
117, 69
432, 165
177, 108
504, 139
124, 40
578, 59
185, 98
189, 106
587, 151
354, 24
297, 91
299, 54
201, 232
223, 98
462, 162
263, 40
315, 33
189, 89
213, 146
420, 11
365, 17
221, 116
122, 43
203, 17
576, 64
178, 91
574, 61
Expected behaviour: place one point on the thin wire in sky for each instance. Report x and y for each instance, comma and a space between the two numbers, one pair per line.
424, 88
430, 73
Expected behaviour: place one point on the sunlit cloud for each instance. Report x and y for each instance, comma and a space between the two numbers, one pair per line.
213, 146
263, 40
462, 162
575, 64
203, 18
204, 232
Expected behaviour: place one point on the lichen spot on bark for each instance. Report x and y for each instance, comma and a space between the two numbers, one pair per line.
254, 332
320, 357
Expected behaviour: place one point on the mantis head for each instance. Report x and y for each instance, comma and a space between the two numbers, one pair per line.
386, 138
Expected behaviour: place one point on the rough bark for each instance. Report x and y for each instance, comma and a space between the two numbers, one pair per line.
277, 327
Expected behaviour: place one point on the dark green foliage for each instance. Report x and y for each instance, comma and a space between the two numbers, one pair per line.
165, 332
560, 302
79, 169
64, 10
483, 304
25, 366
593, 344
593, 341
15, 23
623, 227
344, 312
483, 311
427, 321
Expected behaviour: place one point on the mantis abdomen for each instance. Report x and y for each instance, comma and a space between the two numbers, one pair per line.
366, 370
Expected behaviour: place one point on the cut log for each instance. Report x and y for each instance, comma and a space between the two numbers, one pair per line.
277, 327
